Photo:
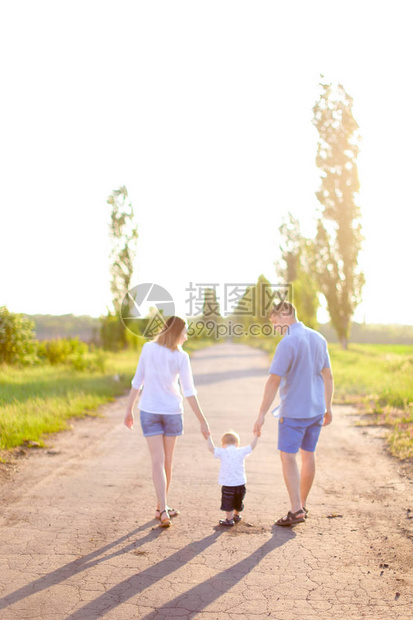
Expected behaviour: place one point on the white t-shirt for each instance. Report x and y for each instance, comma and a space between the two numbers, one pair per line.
232, 472
158, 371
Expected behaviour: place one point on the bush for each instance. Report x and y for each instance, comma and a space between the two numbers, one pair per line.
61, 350
17, 338
72, 352
18, 346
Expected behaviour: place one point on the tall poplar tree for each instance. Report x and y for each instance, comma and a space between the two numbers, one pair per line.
123, 234
295, 268
339, 238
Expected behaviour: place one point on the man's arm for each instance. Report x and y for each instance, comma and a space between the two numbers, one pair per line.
328, 394
270, 391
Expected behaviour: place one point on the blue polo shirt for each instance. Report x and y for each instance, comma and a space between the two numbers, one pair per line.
299, 359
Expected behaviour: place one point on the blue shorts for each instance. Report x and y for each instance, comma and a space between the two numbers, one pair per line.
295, 433
170, 425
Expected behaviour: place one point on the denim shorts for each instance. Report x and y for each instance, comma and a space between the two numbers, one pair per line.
295, 433
170, 425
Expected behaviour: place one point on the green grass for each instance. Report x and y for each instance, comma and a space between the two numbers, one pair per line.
381, 373
379, 380
38, 400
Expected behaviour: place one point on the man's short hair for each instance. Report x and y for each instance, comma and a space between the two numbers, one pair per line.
284, 308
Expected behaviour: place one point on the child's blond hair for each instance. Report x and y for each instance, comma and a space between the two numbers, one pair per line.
230, 438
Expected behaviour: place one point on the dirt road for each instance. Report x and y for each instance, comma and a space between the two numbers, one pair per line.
78, 540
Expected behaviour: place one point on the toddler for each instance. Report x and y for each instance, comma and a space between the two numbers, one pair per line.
232, 474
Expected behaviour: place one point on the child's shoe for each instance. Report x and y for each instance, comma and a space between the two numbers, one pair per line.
237, 518
227, 522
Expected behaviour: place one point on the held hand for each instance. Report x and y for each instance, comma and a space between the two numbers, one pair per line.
258, 424
128, 421
328, 417
205, 429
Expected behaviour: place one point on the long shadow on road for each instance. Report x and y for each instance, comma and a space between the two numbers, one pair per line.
197, 597
79, 565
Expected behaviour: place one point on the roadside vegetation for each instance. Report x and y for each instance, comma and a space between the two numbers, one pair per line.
378, 380
41, 399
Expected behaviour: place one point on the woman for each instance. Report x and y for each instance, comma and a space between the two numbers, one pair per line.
161, 362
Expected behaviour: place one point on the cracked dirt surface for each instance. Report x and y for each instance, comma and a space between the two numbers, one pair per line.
78, 540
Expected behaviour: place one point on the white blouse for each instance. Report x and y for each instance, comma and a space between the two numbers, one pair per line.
158, 371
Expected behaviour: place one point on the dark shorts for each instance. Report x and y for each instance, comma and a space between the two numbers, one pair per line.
296, 433
170, 425
232, 498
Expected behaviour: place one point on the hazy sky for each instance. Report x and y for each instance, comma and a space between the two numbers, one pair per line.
203, 110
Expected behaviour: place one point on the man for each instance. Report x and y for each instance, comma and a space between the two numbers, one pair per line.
301, 369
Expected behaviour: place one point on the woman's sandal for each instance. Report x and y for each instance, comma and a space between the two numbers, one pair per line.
292, 518
171, 511
164, 522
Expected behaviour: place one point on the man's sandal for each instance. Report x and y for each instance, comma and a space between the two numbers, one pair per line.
292, 518
171, 511
164, 522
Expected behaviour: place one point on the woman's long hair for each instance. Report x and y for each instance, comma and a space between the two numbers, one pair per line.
171, 333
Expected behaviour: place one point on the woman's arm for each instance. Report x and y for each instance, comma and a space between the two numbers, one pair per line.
254, 442
196, 408
137, 383
210, 444
189, 391
128, 421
